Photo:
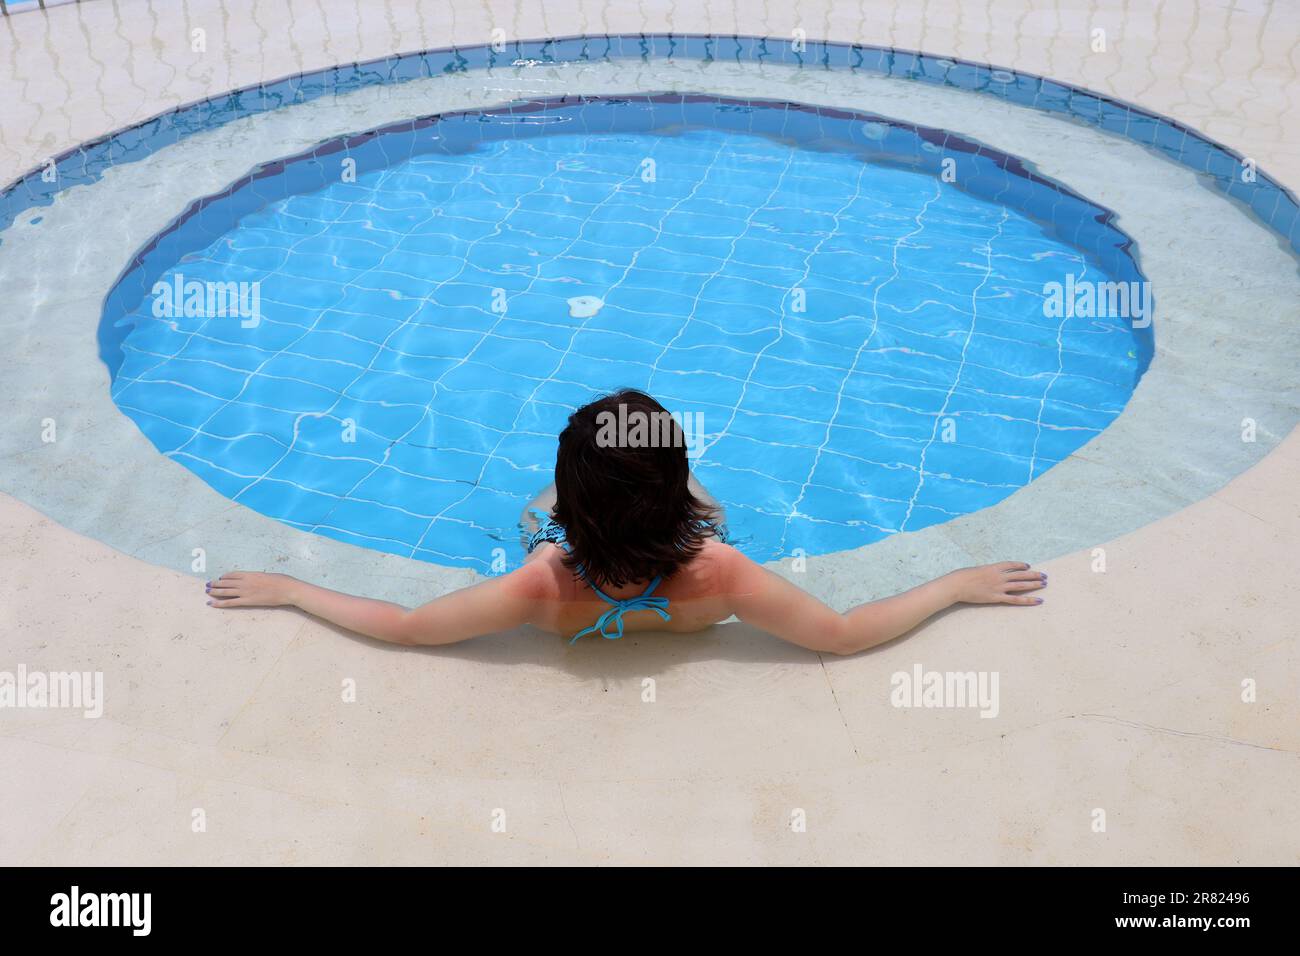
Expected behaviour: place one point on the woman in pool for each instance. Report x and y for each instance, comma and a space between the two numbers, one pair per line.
632, 542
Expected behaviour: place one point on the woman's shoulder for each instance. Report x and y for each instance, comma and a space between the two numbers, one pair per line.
712, 565
542, 576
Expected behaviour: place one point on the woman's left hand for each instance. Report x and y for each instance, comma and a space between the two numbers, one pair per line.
251, 589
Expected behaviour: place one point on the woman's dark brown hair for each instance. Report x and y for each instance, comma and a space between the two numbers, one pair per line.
622, 495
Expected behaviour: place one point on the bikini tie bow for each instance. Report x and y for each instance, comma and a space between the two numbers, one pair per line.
645, 602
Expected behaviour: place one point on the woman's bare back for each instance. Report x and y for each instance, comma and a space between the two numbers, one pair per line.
697, 595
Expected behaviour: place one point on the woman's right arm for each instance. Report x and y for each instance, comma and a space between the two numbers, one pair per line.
768, 601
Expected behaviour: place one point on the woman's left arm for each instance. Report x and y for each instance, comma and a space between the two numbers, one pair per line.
496, 604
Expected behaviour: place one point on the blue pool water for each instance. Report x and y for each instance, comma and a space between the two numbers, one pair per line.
864, 342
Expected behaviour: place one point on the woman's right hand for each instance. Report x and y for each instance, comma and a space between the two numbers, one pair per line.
1007, 582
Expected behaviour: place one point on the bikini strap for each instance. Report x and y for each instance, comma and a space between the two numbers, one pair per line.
643, 602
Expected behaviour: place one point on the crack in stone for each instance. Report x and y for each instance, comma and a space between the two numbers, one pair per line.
1153, 728
848, 733
576, 842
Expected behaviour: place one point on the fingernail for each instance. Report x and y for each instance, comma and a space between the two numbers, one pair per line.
209, 604
1036, 601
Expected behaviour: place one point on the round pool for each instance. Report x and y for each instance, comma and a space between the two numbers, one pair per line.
866, 327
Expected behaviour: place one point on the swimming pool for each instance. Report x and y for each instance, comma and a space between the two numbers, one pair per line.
1225, 349
854, 311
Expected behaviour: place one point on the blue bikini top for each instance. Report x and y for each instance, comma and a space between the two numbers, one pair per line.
610, 624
